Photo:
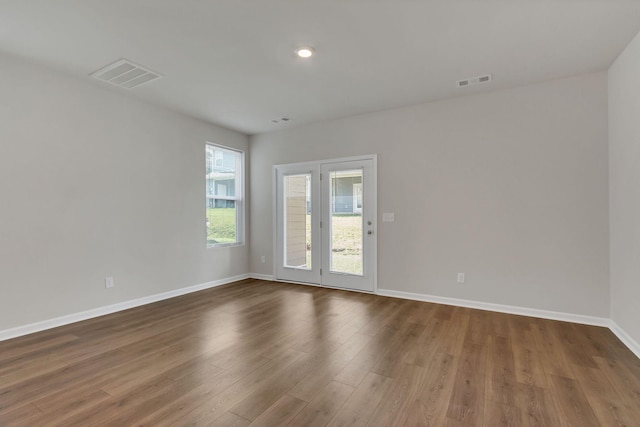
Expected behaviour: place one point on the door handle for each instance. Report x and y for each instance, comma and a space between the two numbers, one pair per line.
369, 232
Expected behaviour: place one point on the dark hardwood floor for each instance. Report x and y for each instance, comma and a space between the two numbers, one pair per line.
271, 354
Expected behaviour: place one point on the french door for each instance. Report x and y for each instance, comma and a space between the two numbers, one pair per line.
325, 223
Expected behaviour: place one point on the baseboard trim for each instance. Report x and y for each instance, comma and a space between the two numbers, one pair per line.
113, 308
19, 331
626, 339
522, 311
257, 276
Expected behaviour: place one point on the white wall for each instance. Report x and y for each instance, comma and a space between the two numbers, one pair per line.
624, 165
509, 187
96, 184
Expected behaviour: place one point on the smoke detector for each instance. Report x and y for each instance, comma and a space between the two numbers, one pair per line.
125, 74
474, 80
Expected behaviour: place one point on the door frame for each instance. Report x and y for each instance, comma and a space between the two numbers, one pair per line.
374, 209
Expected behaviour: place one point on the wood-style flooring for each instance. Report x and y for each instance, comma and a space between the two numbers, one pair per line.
271, 354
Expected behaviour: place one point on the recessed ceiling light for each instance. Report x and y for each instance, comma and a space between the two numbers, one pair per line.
305, 52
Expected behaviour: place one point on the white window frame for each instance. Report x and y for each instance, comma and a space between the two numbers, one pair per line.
238, 198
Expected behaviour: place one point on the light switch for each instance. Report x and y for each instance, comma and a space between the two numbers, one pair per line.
388, 217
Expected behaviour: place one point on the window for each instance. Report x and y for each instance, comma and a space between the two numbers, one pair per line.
224, 195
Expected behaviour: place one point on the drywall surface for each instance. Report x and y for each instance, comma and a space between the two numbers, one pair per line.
509, 187
624, 188
94, 184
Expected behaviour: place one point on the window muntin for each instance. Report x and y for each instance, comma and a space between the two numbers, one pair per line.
224, 198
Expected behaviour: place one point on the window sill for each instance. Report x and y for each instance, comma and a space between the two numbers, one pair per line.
225, 245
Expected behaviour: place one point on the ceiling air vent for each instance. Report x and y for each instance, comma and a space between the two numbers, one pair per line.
125, 74
474, 81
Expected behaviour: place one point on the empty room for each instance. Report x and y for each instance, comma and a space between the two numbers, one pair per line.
319, 213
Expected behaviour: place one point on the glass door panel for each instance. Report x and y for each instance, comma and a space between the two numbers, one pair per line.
348, 195
297, 256
297, 219
346, 222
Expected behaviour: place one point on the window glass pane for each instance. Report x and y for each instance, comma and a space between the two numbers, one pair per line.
297, 218
346, 222
221, 171
221, 222
223, 195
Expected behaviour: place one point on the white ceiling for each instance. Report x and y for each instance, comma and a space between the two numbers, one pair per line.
231, 62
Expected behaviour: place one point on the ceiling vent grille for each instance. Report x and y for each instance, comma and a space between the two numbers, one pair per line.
125, 74
474, 80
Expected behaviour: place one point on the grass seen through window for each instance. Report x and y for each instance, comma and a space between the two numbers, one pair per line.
221, 225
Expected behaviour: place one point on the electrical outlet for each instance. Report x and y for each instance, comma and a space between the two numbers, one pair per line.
108, 282
460, 277
263, 259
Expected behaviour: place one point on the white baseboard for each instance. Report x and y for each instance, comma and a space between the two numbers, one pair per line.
523, 311
268, 277
625, 338
113, 308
